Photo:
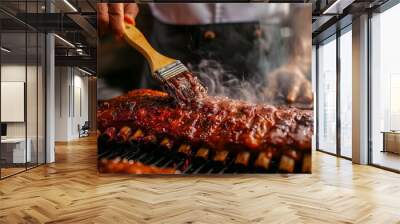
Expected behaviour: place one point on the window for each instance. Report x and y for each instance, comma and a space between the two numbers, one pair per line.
346, 93
314, 89
22, 75
385, 89
327, 96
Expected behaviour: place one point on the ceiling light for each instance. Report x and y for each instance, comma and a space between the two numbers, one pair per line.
5, 50
80, 51
70, 5
337, 7
65, 41
84, 71
326, 11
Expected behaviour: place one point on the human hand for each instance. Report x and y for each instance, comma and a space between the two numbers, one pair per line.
289, 82
110, 16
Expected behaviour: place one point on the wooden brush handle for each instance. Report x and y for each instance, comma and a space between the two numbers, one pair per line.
136, 39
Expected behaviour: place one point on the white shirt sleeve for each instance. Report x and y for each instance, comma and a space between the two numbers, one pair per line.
209, 13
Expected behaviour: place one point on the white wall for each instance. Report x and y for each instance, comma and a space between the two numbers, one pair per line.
62, 80
15, 72
80, 110
71, 102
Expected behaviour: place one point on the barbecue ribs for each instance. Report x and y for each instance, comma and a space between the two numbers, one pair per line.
211, 128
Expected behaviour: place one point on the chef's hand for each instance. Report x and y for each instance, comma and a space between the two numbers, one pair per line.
110, 16
289, 82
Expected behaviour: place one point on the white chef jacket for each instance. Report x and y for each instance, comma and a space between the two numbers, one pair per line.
211, 13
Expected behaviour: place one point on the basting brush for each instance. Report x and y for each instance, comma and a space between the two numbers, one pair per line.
174, 76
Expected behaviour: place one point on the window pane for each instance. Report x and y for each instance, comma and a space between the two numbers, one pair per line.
385, 88
13, 86
346, 94
327, 97
41, 98
31, 97
314, 88
23, 87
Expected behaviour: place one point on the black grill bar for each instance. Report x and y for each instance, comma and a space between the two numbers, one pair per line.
154, 155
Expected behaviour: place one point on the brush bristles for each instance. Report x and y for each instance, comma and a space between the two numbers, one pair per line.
170, 71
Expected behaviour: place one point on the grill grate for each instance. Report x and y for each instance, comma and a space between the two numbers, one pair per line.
152, 154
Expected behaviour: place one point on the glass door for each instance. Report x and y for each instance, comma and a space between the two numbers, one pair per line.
22, 77
13, 103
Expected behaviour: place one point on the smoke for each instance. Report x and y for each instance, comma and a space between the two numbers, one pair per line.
273, 69
265, 55
223, 82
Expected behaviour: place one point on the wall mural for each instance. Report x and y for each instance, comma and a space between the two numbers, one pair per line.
204, 88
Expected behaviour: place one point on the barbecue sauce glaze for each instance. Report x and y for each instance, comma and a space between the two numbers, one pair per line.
216, 122
185, 88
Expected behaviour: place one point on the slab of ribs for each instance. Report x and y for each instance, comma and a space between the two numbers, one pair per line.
260, 138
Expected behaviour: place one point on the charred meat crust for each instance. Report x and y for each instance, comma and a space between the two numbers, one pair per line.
215, 122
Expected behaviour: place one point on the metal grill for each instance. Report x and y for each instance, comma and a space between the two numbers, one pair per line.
152, 154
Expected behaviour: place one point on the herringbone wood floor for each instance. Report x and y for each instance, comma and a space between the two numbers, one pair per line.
70, 191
